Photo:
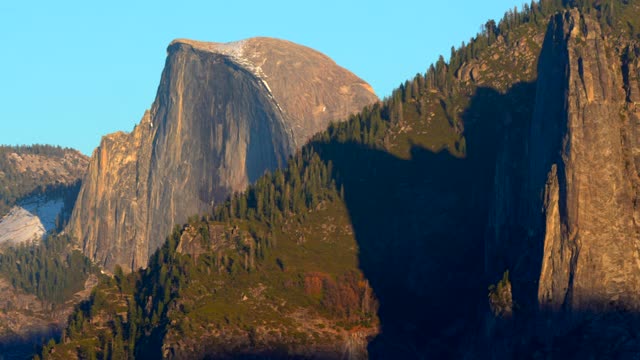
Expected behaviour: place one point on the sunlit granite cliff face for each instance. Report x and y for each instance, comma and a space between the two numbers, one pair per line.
223, 115
567, 188
583, 170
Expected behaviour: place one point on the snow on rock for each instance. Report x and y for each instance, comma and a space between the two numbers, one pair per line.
236, 51
29, 220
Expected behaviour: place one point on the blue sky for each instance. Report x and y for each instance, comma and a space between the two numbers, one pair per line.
72, 71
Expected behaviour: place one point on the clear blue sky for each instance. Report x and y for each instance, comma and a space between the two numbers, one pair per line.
72, 71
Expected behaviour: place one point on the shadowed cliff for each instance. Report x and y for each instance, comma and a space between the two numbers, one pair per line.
419, 246
547, 190
420, 224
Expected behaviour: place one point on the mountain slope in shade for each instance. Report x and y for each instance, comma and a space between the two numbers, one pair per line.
223, 115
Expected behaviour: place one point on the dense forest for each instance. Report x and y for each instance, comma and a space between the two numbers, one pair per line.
378, 175
48, 269
443, 76
136, 310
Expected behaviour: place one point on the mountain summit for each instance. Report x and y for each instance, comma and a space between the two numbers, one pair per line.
309, 87
223, 115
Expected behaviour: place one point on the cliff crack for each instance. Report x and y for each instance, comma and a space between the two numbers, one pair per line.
625, 74
581, 74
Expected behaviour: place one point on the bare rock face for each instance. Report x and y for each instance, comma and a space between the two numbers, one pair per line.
307, 85
223, 115
30, 220
583, 175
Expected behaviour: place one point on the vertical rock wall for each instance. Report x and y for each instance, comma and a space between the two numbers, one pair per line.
582, 180
223, 115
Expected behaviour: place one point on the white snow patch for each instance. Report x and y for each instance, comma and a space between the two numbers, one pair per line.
30, 220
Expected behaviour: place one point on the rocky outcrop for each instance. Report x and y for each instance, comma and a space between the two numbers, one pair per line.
57, 166
196, 241
223, 114
33, 218
583, 179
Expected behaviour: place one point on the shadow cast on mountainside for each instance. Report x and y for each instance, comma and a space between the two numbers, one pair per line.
25, 347
434, 231
421, 225
419, 248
